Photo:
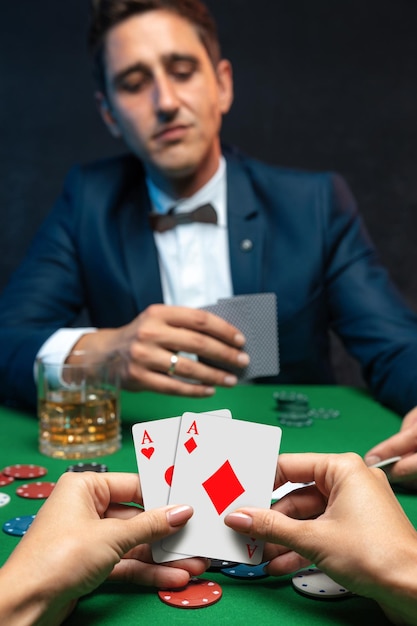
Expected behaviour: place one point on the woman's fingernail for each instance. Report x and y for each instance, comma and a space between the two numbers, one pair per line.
239, 521
179, 515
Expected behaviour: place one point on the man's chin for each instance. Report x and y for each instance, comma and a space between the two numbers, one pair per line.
172, 169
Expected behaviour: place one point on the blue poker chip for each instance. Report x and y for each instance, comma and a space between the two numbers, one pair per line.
18, 525
247, 572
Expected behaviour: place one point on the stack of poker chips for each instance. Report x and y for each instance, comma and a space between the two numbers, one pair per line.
293, 408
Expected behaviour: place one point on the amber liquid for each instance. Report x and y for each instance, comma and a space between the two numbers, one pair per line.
74, 426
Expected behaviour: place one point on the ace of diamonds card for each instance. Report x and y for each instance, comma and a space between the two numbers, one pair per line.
221, 465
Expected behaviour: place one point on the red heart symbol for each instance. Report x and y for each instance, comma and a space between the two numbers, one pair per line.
148, 452
168, 475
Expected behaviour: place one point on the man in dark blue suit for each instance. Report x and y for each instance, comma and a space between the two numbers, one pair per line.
163, 88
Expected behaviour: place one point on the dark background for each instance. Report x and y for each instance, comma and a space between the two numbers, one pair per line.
319, 84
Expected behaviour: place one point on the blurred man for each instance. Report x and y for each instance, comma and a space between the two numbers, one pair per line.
163, 88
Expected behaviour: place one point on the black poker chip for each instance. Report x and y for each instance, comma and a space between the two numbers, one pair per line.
293, 409
217, 564
88, 467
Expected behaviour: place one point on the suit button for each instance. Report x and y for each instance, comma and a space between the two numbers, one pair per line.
246, 245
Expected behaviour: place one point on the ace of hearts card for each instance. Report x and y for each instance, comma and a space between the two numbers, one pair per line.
155, 446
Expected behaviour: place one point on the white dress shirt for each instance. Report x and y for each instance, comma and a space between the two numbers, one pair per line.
193, 258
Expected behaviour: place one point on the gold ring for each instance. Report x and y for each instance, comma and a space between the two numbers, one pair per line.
174, 361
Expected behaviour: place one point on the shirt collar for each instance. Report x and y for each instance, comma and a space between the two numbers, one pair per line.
213, 192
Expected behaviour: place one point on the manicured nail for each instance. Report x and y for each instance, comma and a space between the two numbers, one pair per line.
230, 380
209, 391
239, 521
179, 515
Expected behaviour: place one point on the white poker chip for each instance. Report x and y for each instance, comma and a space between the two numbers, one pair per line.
4, 499
315, 583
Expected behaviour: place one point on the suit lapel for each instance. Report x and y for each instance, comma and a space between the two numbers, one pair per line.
246, 228
245, 223
141, 258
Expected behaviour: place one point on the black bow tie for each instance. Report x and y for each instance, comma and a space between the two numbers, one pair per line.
205, 214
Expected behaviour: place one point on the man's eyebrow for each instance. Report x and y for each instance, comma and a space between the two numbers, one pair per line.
175, 57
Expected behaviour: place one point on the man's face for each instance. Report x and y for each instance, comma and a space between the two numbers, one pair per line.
164, 97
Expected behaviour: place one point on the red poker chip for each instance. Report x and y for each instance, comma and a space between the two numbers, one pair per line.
5, 480
35, 491
25, 471
199, 593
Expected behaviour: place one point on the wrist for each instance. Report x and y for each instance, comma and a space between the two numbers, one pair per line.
27, 601
103, 341
397, 588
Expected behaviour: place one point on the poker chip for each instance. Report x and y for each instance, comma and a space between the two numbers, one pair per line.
35, 491
4, 499
18, 525
198, 594
246, 571
324, 414
88, 467
290, 400
293, 409
25, 471
5, 480
217, 564
315, 583
295, 419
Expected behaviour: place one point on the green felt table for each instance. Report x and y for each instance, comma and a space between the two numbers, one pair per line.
362, 423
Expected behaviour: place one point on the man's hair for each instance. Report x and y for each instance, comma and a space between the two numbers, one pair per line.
107, 13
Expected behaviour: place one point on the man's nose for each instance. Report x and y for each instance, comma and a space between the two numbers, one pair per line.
166, 100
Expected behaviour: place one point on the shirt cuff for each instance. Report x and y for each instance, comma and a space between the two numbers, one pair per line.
60, 343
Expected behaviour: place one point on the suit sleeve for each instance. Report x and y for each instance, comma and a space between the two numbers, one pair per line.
44, 294
367, 311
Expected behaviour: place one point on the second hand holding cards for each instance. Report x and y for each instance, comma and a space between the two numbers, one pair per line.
220, 465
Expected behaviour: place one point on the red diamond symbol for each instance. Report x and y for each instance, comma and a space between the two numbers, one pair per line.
190, 445
223, 487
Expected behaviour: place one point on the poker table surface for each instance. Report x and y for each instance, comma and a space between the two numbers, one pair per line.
362, 423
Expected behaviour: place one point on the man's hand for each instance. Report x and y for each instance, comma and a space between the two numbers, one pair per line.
403, 444
147, 344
